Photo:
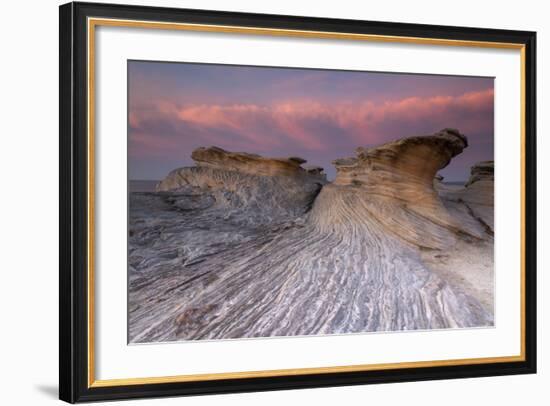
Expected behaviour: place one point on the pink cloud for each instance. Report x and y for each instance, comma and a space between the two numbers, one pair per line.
303, 122
462, 112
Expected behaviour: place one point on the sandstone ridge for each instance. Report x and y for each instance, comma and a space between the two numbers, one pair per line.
244, 162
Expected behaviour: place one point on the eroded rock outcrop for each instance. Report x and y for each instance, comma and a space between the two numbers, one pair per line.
246, 246
482, 172
477, 194
246, 188
243, 162
408, 162
393, 184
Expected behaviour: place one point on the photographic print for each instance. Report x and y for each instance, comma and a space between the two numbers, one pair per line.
272, 201
291, 202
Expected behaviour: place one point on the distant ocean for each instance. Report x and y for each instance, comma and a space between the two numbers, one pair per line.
142, 185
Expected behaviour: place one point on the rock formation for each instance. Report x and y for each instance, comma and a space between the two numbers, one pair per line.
482, 171
246, 246
477, 194
244, 188
393, 183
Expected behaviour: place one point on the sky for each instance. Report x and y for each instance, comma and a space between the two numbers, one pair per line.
319, 115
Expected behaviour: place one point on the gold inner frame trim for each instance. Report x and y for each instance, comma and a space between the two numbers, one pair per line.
94, 22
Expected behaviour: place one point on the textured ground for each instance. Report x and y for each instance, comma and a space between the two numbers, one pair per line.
246, 246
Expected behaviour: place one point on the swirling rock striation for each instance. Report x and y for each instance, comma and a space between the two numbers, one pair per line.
246, 246
393, 184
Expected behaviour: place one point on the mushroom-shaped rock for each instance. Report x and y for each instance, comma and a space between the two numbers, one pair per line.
393, 185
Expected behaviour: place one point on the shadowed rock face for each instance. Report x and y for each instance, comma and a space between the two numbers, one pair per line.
477, 194
246, 246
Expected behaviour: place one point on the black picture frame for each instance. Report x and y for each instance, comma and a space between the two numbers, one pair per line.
73, 284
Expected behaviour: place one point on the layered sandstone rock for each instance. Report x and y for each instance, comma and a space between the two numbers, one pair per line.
247, 188
393, 184
246, 246
482, 171
243, 162
477, 194
411, 162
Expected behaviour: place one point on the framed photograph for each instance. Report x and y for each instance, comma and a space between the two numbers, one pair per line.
257, 202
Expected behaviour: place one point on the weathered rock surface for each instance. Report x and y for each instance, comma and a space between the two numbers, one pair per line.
394, 183
412, 161
244, 188
246, 246
244, 163
482, 171
477, 194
